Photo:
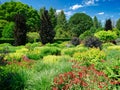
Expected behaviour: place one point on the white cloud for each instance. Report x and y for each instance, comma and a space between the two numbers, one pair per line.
58, 11
101, 13
76, 6
89, 2
69, 13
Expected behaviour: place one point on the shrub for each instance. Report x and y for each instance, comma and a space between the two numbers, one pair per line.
93, 42
71, 51
13, 78
33, 37
31, 46
75, 41
85, 35
51, 59
106, 36
8, 31
40, 52
91, 56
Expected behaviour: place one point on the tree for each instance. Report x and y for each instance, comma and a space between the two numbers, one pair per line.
118, 24
53, 17
62, 26
46, 30
8, 31
9, 9
80, 22
108, 25
95, 22
20, 29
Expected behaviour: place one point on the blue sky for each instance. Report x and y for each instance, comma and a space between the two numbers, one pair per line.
103, 9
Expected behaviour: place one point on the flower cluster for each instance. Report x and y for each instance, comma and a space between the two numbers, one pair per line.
84, 77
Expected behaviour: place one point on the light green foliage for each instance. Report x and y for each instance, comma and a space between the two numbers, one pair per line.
32, 37
79, 23
51, 59
16, 56
8, 31
106, 36
71, 51
40, 52
91, 56
2, 25
84, 35
113, 47
44, 73
31, 46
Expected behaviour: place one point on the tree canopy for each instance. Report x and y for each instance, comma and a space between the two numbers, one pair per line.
9, 9
80, 22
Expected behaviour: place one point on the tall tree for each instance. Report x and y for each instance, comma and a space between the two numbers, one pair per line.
53, 17
108, 25
46, 30
95, 22
79, 23
20, 29
118, 24
62, 26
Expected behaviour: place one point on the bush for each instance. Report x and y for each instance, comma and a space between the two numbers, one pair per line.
93, 42
13, 78
33, 37
7, 40
71, 51
106, 36
91, 56
51, 59
8, 31
40, 52
85, 35
75, 41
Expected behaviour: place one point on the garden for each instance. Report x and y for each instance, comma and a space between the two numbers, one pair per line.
39, 50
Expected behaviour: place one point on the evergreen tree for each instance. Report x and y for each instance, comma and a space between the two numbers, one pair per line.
62, 26
95, 22
108, 25
20, 30
46, 30
53, 17
118, 24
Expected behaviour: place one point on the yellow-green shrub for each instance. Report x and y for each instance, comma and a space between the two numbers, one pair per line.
113, 48
50, 59
106, 36
92, 55
33, 36
14, 56
71, 51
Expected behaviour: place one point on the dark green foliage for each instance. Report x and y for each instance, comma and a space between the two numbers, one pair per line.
8, 30
12, 79
108, 25
118, 24
75, 41
46, 30
53, 17
79, 23
93, 42
9, 9
20, 30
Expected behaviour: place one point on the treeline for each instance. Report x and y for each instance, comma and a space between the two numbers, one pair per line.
17, 19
